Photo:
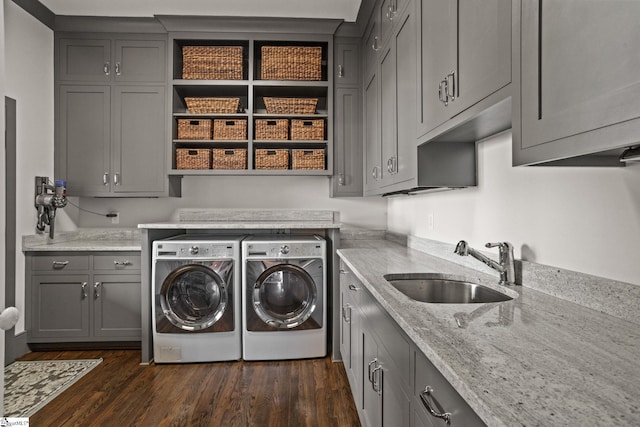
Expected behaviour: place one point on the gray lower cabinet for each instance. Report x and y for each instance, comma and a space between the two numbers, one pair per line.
465, 56
386, 371
83, 298
434, 397
579, 81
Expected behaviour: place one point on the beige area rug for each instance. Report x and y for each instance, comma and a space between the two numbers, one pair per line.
30, 385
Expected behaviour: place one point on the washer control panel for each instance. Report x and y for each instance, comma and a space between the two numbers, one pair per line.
285, 250
193, 250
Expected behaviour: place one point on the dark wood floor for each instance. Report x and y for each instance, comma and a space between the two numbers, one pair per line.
121, 392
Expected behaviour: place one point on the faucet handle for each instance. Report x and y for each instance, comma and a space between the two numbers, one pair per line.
501, 245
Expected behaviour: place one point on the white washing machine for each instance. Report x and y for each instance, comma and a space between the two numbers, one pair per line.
196, 299
284, 310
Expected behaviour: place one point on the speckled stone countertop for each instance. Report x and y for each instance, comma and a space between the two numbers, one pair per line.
537, 360
85, 239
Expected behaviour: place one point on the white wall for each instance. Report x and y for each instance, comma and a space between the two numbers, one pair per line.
581, 219
250, 192
29, 80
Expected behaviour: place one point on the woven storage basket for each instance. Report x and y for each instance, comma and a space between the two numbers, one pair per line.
272, 129
193, 158
307, 159
229, 158
272, 159
291, 63
230, 129
307, 130
212, 105
194, 129
212, 62
290, 105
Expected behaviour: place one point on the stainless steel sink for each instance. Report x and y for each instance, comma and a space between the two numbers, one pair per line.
436, 288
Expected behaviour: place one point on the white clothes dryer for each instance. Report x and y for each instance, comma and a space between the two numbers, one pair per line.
196, 299
284, 308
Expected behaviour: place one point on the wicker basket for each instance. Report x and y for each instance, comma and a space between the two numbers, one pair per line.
307, 130
193, 158
194, 129
212, 105
229, 158
212, 62
290, 105
272, 159
291, 63
230, 129
307, 159
272, 129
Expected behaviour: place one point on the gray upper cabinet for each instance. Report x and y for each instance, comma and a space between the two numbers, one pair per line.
580, 82
465, 56
107, 59
347, 178
390, 100
110, 115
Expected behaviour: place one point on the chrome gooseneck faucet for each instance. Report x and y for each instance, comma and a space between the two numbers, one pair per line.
505, 266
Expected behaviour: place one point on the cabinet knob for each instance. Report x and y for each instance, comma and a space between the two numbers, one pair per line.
116, 179
118, 70
451, 86
340, 71
353, 287
105, 179
107, 68
375, 46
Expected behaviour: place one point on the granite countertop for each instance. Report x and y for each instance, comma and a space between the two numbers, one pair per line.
85, 239
537, 360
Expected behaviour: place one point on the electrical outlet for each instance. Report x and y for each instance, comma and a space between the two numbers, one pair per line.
115, 219
430, 222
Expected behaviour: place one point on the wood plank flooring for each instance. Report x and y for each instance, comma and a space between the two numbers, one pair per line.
121, 392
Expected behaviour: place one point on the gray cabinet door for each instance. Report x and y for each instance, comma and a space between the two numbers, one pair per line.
138, 139
84, 60
140, 61
373, 155
395, 403
83, 146
387, 123
371, 409
117, 299
347, 143
60, 306
438, 57
580, 78
347, 63
484, 51
404, 165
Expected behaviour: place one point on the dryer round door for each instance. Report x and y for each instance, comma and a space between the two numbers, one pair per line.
284, 296
193, 297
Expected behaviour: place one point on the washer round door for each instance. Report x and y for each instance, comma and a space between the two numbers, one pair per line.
193, 297
284, 296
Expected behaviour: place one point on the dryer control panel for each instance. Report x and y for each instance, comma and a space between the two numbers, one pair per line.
170, 249
290, 249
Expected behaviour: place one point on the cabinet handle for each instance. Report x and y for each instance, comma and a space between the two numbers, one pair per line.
424, 395
442, 92
371, 363
107, 68
451, 84
341, 180
389, 166
375, 46
344, 313
96, 290
84, 290
343, 271
60, 264
119, 263
105, 179
118, 71
353, 287
394, 164
377, 379
391, 12
374, 173
340, 71
116, 179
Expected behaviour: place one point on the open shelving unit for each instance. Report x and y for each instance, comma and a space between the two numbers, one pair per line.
251, 90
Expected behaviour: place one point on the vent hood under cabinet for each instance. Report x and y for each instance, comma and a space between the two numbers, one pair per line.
443, 165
